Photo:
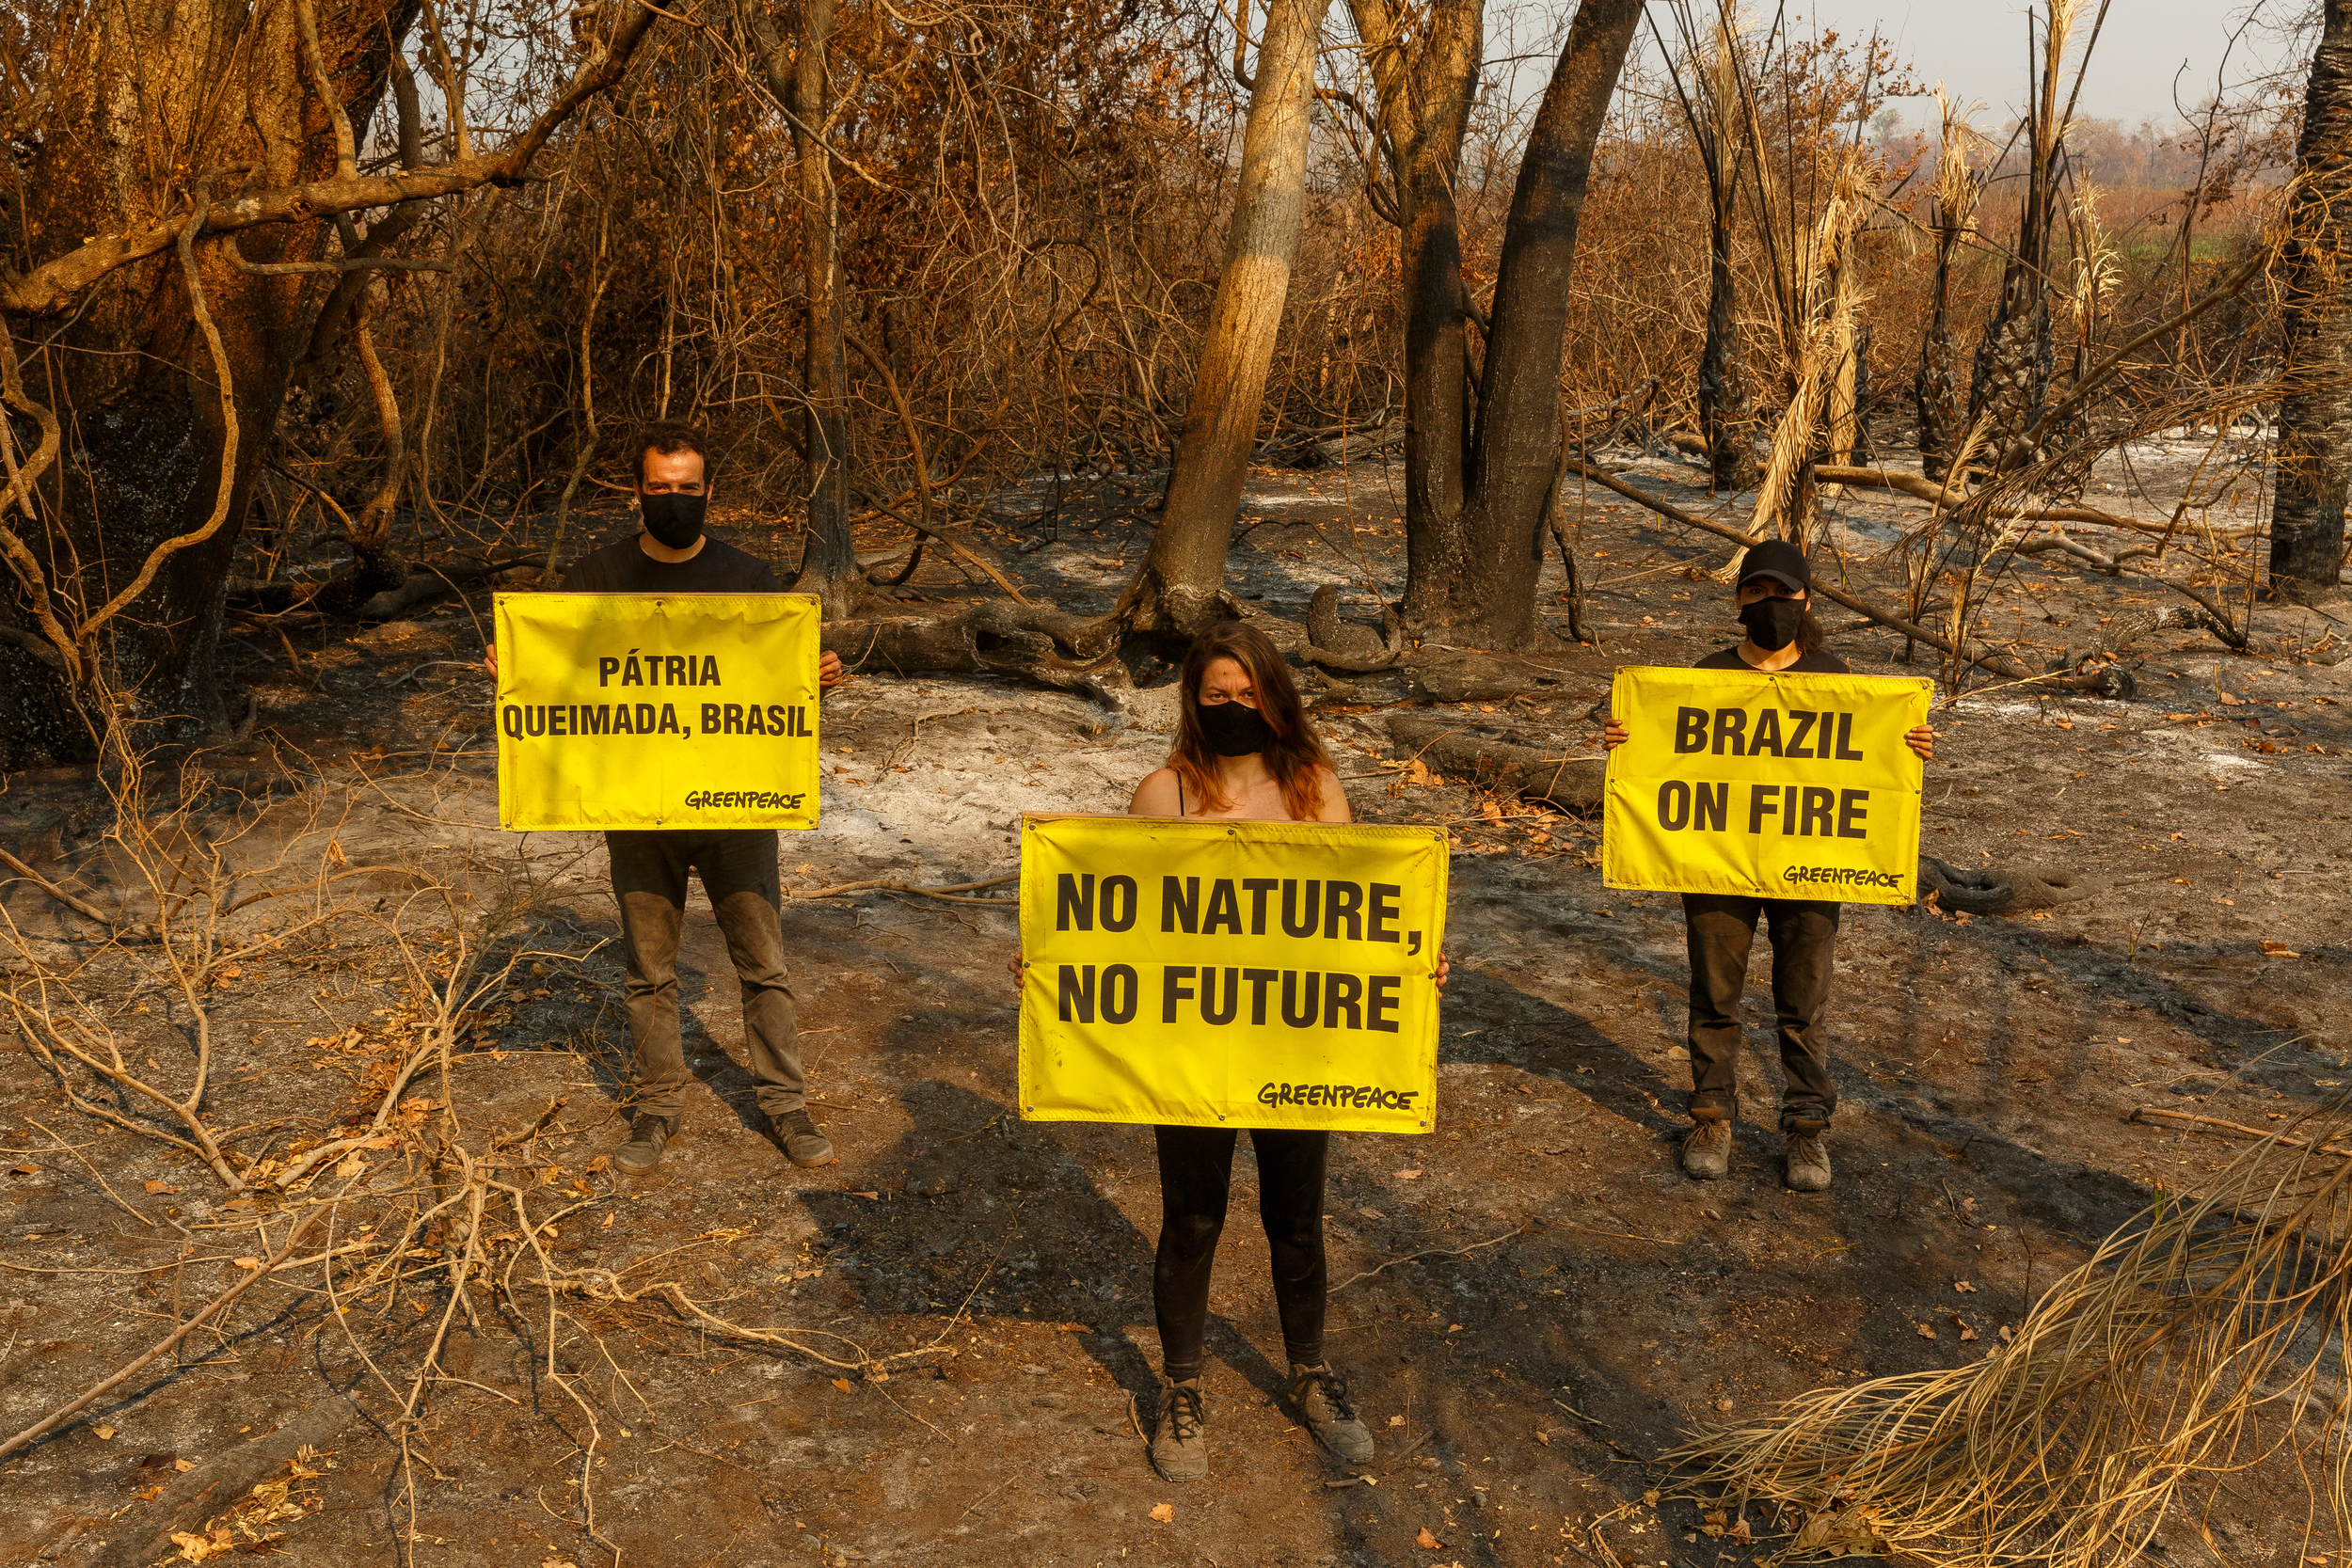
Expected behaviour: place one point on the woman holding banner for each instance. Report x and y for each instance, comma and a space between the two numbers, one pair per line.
1243, 751
1773, 599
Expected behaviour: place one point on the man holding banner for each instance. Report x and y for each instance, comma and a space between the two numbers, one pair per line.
1771, 791
713, 618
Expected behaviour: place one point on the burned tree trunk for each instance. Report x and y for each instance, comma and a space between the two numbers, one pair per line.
1725, 418
1179, 587
2315, 415
1517, 443
172, 298
142, 366
1942, 412
1425, 88
829, 561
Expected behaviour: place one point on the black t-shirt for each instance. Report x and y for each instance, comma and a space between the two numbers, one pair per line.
716, 569
1815, 663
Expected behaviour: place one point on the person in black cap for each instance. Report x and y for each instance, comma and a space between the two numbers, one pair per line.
1774, 600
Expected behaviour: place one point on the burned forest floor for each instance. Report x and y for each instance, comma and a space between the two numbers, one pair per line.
1532, 1303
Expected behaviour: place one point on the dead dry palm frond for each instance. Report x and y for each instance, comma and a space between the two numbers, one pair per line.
1822, 360
2204, 1337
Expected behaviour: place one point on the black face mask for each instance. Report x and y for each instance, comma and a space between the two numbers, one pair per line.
1233, 729
674, 519
1773, 624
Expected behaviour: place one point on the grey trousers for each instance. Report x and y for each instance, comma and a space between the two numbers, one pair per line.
1721, 931
739, 873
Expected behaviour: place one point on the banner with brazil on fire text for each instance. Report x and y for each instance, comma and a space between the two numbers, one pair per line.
1205, 972
1765, 784
645, 710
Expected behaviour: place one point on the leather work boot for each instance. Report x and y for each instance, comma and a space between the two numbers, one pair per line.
1321, 1395
1706, 1153
647, 1137
1180, 1435
1809, 1162
803, 1143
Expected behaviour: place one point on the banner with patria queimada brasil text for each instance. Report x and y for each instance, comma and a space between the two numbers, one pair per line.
657, 710
1203, 973
1765, 784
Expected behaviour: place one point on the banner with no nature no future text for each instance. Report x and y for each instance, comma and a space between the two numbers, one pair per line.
1218, 974
643, 710
1763, 785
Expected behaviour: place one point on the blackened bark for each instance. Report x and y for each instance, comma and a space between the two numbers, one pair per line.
1942, 415
2315, 417
1725, 418
1517, 443
829, 560
1437, 83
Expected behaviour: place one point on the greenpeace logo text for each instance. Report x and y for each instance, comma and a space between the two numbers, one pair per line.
1842, 876
744, 800
1353, 1097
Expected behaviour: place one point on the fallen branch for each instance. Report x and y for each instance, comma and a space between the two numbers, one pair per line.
1428, 1252
2202, 1122
1564, 782
939, 892
87, 910
123, 1374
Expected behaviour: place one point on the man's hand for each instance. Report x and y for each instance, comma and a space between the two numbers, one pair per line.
1612, 734
491, 660
829, 672
1922, 740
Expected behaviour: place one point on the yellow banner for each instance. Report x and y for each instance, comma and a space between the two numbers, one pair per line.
1766, 785
1209, 973
642, 710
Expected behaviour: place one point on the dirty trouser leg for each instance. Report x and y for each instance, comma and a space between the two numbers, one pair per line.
650, 884
739, 872
1290, 1202
1805, 965
1196, 1178
1719, 930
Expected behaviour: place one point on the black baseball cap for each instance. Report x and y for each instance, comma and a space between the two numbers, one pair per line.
1780, 561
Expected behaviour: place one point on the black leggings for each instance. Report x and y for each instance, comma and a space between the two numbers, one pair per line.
1196, 1175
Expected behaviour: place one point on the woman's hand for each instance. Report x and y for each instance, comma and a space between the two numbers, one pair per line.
1921, 740
1020, 975
491, 660
1445, 967
829, 672
1612, 734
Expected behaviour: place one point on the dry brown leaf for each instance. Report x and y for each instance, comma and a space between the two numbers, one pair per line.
1163, 1512
196, 1548
183, 1466
1847, 1532
105, 1435
1926, 1333
159, 1186
843, 1383
1429, 1541
1740, 1532
1963, 1288
1406, 1175
246, 1263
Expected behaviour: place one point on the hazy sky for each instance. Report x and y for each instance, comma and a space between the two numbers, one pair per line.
1978, 48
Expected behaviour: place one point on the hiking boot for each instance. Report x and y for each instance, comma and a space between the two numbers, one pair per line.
1321, 1395
803, 1143
1808, 1163
647, 1136
1179, 1436
1706, 1153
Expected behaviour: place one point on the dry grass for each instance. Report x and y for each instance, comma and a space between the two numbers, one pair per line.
2203, 1338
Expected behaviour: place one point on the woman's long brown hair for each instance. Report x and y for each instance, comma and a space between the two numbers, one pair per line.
1293, 756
